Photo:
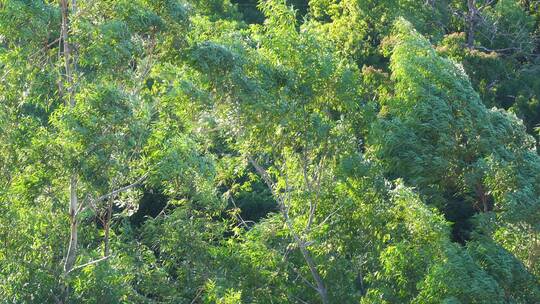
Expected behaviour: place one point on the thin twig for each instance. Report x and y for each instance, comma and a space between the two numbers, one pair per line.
199, 292
238, 215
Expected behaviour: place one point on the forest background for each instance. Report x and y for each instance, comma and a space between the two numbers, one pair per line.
323, 151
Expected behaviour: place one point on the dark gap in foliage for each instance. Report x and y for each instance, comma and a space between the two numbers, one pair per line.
252, 197
360, 284
301, 7
255, 202
460, 213
151, 204
252, 15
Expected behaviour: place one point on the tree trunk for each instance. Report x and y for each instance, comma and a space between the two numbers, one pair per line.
73, 240
73, 200
321, 288
107, 228
471, 22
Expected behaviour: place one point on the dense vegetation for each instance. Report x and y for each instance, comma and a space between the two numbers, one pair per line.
324, 151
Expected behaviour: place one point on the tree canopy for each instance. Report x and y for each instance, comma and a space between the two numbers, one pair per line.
324, 151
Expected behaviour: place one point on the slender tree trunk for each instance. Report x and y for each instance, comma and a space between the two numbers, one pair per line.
320, 286
67, 52
73, 240
471, 22
73, 200
107, 228
71, 255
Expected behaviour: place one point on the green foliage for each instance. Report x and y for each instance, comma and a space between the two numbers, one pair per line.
458, 147
305, 152
508, 26
358, 26
455, 141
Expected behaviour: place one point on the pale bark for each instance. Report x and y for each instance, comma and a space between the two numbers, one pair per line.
471, 22
73, 240
90, 263
73, 200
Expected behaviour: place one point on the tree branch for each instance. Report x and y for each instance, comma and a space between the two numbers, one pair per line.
88, 264
120, 190
320, 288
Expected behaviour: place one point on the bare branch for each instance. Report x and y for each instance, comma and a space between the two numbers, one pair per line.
199, 292
120, 190
329, 216
238, 215
299, 275
88, 264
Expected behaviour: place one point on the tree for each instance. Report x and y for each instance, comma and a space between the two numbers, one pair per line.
90, 121
436, 133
